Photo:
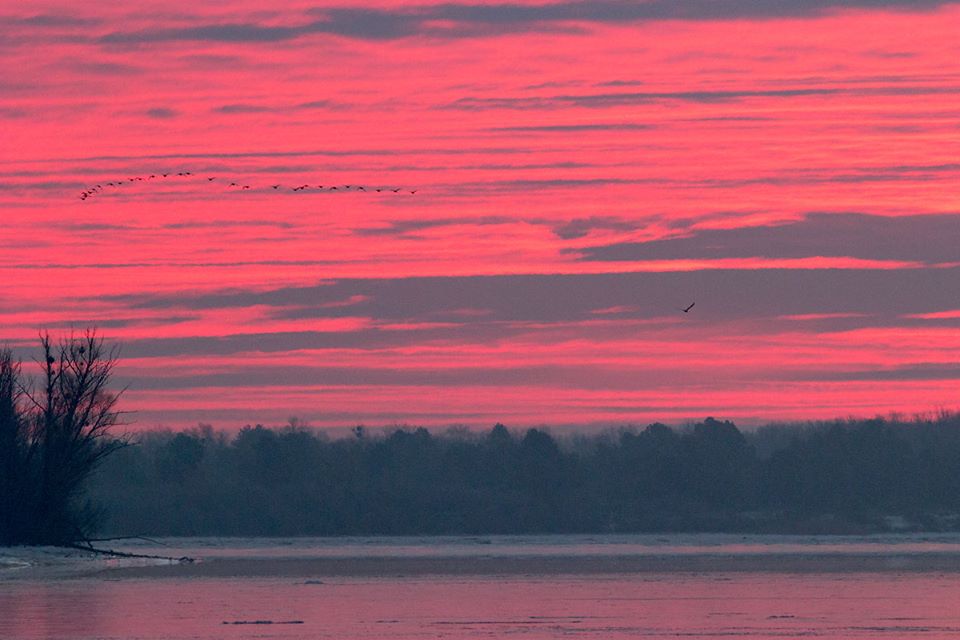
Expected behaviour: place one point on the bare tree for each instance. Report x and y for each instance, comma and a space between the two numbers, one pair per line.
59, 433
12, 439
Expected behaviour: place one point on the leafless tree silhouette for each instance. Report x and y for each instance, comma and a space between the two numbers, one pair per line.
54, 435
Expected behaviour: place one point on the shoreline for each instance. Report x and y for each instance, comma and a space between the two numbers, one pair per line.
53, 563
549, 556
493, 566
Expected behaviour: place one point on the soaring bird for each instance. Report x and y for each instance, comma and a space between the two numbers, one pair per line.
276, 186
687, 310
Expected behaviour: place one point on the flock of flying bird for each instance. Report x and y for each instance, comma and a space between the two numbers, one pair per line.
234, 185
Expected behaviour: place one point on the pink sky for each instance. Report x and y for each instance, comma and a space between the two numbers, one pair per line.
583, 171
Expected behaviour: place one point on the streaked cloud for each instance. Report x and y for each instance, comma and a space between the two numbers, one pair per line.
626, 98
584, 171
720, 295
162, 113
452, 20
918, 238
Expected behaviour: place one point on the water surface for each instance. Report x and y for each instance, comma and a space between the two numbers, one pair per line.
768, 603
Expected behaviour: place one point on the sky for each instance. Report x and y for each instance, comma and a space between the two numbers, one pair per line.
558, 180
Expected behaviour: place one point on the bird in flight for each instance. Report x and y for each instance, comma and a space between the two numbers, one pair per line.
687, 310
100, 188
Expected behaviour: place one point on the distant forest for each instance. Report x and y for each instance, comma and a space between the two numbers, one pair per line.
836, 477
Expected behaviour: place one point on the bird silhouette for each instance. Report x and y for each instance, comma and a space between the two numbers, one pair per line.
687, 310
102, 188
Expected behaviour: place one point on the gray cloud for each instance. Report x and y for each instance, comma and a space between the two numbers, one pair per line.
573, 128
721, 295
242, 108
595, 100
579, 227
406, 227
453, 20
320, 104
483, 310
98, 226
51, 20
227, 223
536, 185
162, 113
104, 68
918, 371
579, 376
41, 185
278, 342
303, 153
918, 238
13, 113
626, 98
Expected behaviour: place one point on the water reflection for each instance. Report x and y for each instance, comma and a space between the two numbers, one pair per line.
766, 605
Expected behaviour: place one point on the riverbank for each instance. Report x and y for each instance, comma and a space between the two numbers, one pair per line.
52, 563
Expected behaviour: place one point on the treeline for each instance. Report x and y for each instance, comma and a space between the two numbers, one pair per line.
827, 477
